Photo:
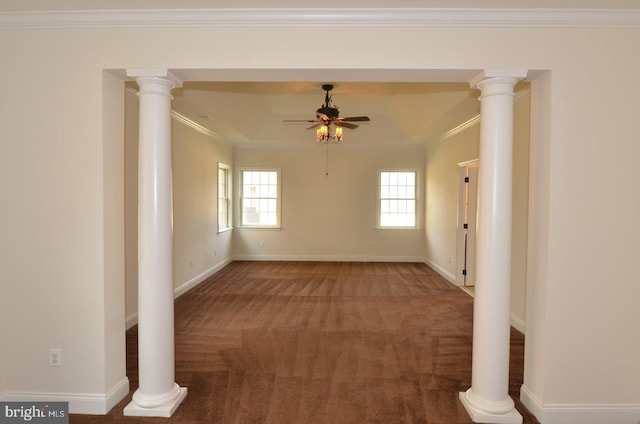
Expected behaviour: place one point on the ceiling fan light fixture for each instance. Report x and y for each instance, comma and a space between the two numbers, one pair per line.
323, 134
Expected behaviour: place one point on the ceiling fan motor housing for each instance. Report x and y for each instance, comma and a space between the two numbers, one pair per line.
331, 112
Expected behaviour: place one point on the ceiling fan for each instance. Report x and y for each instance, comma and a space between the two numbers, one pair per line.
328, 114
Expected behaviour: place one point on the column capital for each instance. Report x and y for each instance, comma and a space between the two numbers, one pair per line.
502, 74
155, 73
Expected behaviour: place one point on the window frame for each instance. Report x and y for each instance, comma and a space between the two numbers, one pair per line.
228, 198
416, 199
241, 198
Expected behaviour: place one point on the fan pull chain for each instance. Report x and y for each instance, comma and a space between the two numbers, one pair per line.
326, 165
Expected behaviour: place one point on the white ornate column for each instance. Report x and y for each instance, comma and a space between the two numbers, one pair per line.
158, 395
488, 401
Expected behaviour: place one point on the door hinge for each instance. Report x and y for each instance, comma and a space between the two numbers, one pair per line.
466, 179
465, 226
464, 272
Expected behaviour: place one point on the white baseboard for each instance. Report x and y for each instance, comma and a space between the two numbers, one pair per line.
185, 287
518, 323
579, 413
79, 403
443, 272
132, 319
323, 258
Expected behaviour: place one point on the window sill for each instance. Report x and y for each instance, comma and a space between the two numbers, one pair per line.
250, 227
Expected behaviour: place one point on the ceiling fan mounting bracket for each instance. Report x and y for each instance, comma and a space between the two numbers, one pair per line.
327, 87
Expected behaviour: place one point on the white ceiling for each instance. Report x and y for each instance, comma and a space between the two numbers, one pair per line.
253, 112
250, 106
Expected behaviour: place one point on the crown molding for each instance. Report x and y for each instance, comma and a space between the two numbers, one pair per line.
184, 120
194, 125
460, 128
519, 96
320, 17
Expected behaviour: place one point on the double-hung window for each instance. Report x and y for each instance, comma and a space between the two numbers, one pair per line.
224, 197
260, 198
397, 199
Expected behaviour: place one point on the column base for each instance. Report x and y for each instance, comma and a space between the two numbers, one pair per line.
479, 416
164, 411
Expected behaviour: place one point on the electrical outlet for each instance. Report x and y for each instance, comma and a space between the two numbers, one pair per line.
55, 357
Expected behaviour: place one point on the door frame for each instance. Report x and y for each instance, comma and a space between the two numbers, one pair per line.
460, 233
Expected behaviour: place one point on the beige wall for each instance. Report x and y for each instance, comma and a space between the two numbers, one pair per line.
131, 206
61, 267
442, 159
520, 211
329, 217
198, 247
113, 169
582, 325
590, 225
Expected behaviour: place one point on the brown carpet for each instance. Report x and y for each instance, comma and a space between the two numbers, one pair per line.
321, 342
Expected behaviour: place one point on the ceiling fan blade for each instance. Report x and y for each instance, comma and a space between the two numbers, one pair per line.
345, 124
328, 114
355, 118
